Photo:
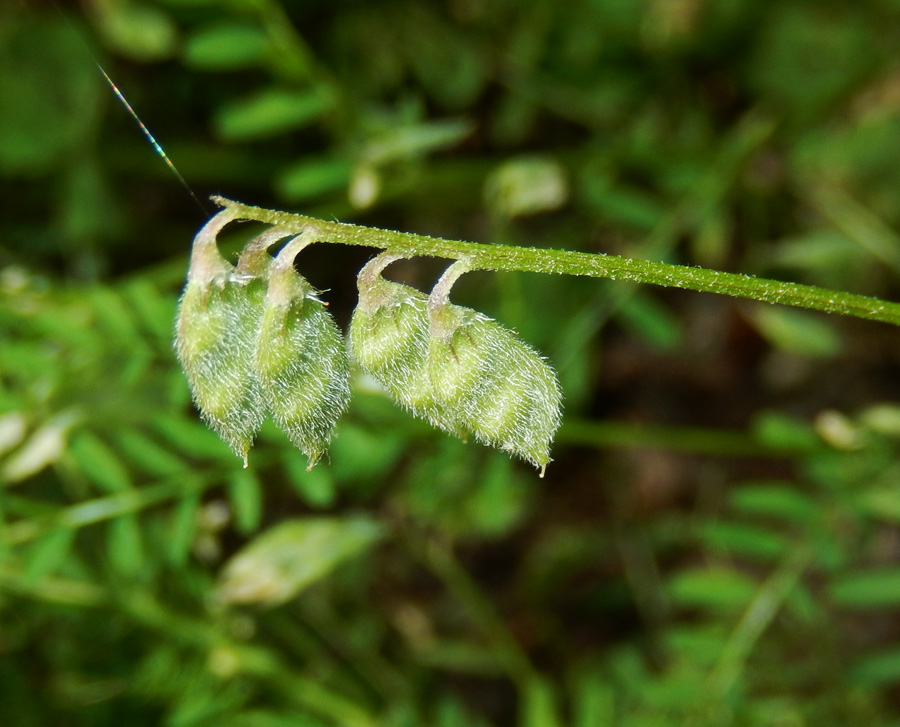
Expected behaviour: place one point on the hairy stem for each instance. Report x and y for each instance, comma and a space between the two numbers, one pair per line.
479, 256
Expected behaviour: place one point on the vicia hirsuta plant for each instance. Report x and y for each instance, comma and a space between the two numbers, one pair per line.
256, 338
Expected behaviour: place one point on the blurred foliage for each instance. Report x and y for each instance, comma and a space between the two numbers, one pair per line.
717, 541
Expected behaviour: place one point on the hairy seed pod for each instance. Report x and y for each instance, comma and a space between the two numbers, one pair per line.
389, 339
214, 339
301, 360
489, 382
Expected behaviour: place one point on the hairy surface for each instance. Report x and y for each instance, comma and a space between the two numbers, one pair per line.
257, 339
457, 369
301, 362
491, 383
389, 340
214, 341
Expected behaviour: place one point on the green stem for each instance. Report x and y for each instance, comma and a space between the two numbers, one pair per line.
756, 619
479, 256
51, 589
689, 440
440, 559
107, 508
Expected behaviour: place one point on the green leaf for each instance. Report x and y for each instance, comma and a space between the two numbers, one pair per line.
872, 589
498, 501
13, 427
316, 486
614, 201
697, 643
138, 31
46, 445
148, 455
593, 702
154, 310
181, 529
883, 419
774, 499
526, 185
450, 712
798, 332
743, 540
650, 320
124, 545
100, 464
358, 453
114, 319
226, 46
48, 553
284, 560
245, 494
457, 655
882, 503
411, 140
833, 255
310, 178
711, 588
878, 669
539, 704
192, 438
271, 112
780, 430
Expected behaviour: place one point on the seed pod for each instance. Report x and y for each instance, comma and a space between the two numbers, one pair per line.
300, 360
215, 329
389, 340
488, 381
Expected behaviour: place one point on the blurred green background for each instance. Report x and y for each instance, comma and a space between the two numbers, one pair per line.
717, 540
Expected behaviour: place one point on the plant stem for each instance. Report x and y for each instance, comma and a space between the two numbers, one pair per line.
440, 560
51, 589
108, 508
480, 256
767, 601
712, 441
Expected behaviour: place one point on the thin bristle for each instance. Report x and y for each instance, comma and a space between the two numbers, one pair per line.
150, 138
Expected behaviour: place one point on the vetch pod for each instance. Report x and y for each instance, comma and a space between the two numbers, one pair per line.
389, 339
488, 381
215, 333
300, 357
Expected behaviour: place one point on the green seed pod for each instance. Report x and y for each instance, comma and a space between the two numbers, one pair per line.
389, 338
488, 381
301, 360
214, 339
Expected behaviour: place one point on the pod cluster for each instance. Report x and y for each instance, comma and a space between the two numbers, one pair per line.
255, 339
454, 366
